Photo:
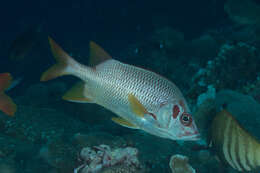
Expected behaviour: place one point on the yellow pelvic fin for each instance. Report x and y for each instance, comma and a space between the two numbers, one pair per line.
97, 54
136, 106
78, 93
62, 58
124, 123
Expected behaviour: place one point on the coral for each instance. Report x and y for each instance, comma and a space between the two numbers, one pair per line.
244, 108
210, 94
97, 158
5, 168
253, 89
179, 164
204, 156
40, 125
59, 154
243, 11
121, 169
235, 66
204, 115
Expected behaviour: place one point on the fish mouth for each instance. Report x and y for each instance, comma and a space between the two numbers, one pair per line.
188, 137
193, 137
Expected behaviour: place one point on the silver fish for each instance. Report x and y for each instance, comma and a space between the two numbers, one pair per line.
142, 99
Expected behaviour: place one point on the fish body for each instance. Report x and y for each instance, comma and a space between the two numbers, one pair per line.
233, 144
6, 103
142, 99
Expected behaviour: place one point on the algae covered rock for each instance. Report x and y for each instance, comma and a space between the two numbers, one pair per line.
243, 11
243, 107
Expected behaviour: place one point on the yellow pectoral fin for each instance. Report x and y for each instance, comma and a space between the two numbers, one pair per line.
124, 123
78, 93
136, 106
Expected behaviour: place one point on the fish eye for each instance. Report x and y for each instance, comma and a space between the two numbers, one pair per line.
186, 119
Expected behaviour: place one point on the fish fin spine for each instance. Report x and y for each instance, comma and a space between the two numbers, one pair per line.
78, 93
124, 123
97, 55
136, 106
65, 63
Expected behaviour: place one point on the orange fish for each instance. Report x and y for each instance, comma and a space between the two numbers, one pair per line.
6, 103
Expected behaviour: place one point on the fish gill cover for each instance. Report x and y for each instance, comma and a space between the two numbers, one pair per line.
208, 49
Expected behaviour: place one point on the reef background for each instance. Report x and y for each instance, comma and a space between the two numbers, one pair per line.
206, 48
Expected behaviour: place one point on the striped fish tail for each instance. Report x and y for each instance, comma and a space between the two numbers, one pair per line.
240, 149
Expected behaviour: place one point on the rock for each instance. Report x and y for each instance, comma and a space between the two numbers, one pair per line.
179, 164
244, 108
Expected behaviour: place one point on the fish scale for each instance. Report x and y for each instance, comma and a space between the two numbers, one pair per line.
116, 80
142, 99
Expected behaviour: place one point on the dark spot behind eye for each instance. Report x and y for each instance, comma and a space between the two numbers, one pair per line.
175, 111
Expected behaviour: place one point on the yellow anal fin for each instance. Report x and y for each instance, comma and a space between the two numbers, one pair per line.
124, 123
136, 106
78, 93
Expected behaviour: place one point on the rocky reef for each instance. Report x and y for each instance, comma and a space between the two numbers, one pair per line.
218, 68
104, 159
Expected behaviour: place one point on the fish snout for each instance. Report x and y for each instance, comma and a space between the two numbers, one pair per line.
195, 137
191, 136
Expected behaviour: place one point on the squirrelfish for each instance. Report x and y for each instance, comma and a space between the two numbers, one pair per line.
142, 99
233, 144
6, 103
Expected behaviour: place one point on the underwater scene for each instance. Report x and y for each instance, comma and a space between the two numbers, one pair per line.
130, 86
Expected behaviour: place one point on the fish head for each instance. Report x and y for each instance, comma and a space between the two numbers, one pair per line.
173, 122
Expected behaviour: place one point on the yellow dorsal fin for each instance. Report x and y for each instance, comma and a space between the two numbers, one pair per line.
78, 93
136, 106
124, 123
97, 54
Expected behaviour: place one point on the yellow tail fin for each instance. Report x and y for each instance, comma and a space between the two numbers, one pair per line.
62, 65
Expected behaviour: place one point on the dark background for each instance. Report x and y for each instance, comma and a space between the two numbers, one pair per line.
114, 24
111, 20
